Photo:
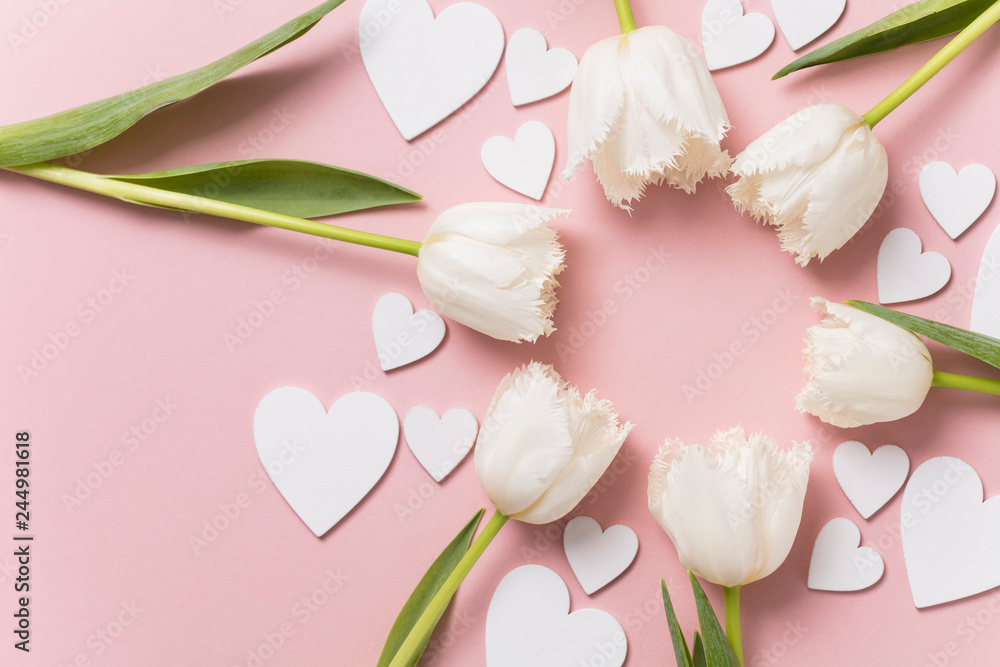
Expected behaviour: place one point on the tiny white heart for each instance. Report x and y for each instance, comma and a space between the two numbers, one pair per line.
529, 625
904, 272
401, 335
324, 463
597, 557
802, 21
533, 71
956, 200
951, 537
986, 301
870, 479
730, 38
440, 443
523, 164
425, 68
838, 562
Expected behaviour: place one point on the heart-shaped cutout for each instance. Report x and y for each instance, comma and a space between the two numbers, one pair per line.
523, 164
598, 557
425, 68
529, 625
986, 301
951, 537
729, 37
870, 479
440, 443
904, 272
324, 463
957, 200
802, 21
401, 335
534, 71
838, 562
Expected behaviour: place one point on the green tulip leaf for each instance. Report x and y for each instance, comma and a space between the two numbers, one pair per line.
975, 345
425, 591
699, 658
290, 187
718, 652
92, 124
676, 634
919, 22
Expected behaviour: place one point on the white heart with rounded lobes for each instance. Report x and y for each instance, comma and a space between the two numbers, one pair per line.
816, 176
732, 509
543, 445
862, 369
644, 109
492, 267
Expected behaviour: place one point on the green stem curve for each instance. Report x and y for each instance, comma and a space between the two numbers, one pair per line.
731, 596
967, 383
144, 194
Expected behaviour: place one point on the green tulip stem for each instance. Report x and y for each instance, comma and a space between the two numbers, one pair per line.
410, 650
934, 65
731, 595
625, 18
143, 194
982, 385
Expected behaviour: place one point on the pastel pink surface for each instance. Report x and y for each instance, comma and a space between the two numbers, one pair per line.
636, 328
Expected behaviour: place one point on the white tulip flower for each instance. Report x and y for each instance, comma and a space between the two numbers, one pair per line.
643, 108
817, 176
543, 445
492, 267
732, 509
862, 369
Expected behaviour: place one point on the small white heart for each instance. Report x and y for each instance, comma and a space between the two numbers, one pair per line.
956, 200
597, 557
401, 335
529, 625
523, 164
730, 38
951, 537
534, 73
838, 562
802, 21
440, 443
425, 68
870, 479
986, 301
904, 272
324, 463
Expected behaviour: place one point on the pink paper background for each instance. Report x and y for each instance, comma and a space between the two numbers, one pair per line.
162, 338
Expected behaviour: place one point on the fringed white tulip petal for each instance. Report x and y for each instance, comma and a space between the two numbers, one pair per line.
595, 101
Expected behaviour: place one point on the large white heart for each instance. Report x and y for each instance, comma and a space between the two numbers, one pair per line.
838, 563
324, 463
956, 200
904, 272
730, 38
598, 557
440, 443
986, 302
802, 21
951, 538
533, 71
870, 479
529, 625
401, 335
523, 164
423, 68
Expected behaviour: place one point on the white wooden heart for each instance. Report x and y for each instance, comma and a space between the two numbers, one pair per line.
425, 68
838, 562
802, 21
986, 300
870, 479
729, 37
523, 164
598, 557
904, 272
324, 463
440, 443
535, 72
957, 200
401, 335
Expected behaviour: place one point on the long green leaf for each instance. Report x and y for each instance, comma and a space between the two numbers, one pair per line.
87, 126
717, 649
699, 658
425, 591
975, 345
290, 187
681, 652
919, 22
